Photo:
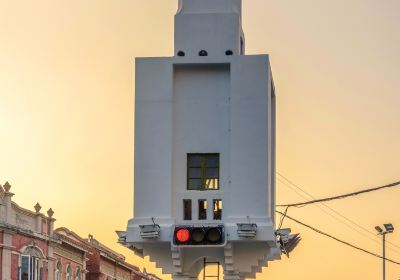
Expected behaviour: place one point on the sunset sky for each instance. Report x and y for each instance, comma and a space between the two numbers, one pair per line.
67, 109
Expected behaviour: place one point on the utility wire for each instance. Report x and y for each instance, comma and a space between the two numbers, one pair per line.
292, 187
340, 221
326, 212
337, 239
392, 185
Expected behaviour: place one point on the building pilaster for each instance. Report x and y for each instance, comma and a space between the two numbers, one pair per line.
50, 263
6, 255
7, 203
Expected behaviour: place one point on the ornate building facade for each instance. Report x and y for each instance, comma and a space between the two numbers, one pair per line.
106, 264
31, 249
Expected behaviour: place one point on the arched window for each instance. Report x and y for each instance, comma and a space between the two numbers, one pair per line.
58, 271
78, 274
68, 273
31, 264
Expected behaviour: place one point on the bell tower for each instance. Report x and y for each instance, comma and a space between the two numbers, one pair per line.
214, 26
204, 188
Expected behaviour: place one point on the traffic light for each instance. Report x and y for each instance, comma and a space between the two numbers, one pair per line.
199, 235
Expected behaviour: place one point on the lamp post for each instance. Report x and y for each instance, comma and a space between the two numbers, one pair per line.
388, 229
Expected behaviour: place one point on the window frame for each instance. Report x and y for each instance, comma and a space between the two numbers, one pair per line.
215, 213
205, 204
58, 271
34, 267
78, 274
190, 205
68, 272
28, 257
203, 167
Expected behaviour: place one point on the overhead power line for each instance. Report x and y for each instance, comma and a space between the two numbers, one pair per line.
353, 225
392, 185
337, 239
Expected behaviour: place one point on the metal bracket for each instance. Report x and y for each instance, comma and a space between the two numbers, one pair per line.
247, 230
150, 231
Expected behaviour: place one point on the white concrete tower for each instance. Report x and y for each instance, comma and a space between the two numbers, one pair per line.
205, 149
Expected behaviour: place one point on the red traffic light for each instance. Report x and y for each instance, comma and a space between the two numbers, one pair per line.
182, 235
199, 235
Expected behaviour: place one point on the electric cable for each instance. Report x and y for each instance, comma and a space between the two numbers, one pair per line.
391, 185
337, 213
283, 218
337, 239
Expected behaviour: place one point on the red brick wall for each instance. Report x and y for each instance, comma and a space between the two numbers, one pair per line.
66, 262
14, 267
94, 276
93, 264
136, 277
19, 241
45, 273
123, 271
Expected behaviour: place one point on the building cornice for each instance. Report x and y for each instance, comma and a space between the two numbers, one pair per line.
74, 244
8, 228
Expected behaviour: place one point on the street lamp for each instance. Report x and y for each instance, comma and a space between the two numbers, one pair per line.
388, 229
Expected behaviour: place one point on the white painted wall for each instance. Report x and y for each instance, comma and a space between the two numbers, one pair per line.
153, 138
201, 125
209, 107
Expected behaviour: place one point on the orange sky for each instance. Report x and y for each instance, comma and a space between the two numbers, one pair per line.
66, 114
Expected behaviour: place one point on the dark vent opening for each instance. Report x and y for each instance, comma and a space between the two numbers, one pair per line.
203, 53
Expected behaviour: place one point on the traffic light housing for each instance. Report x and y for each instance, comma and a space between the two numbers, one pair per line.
199, 235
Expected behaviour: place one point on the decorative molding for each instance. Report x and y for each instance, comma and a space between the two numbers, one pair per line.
7, 247
33, 250
107, 269
104, 250
12, 229
75, 257
24, 211
50, 213
22, 222
121, 276
73, 244
7, 187
37, 208
67, 236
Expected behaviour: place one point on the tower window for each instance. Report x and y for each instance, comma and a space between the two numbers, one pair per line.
202, 209
217, 209
187, 209
181, 53
229, 52
202, 172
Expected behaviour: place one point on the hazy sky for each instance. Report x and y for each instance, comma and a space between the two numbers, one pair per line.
67, 104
